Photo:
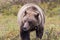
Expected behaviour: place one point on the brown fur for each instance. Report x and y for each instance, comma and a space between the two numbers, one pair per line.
32, 20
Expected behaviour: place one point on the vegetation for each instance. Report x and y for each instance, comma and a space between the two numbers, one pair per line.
9, 29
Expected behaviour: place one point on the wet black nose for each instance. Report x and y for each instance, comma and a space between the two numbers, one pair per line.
25, 29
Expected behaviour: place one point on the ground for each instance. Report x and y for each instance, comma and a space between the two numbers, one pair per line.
9, 29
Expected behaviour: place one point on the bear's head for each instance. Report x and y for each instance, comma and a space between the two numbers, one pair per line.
30, 19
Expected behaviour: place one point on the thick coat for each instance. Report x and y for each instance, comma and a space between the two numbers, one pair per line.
31, 17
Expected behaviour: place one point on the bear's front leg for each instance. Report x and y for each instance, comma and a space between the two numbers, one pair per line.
39, 32
25, 35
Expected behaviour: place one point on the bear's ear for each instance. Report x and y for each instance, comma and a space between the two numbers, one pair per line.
25, 13
36, 16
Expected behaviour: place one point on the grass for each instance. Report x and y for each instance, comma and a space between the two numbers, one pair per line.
8, 26
9, 29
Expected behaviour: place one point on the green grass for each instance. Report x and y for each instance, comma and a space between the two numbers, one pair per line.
9, 29
8, 26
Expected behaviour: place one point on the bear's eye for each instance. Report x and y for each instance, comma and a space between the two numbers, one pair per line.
30, 23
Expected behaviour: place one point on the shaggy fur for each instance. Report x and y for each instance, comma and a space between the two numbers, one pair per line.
30, 18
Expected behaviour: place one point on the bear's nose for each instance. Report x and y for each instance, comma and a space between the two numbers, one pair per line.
24, 29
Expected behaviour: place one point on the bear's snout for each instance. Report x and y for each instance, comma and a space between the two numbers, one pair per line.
25, 26
24, 29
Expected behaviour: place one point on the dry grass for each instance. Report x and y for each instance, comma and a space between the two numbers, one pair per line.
9, 29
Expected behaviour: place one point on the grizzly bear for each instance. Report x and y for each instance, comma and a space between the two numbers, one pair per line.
30, 18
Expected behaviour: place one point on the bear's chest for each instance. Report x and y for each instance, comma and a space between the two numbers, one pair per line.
33, 28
